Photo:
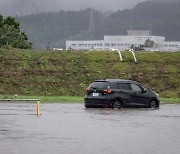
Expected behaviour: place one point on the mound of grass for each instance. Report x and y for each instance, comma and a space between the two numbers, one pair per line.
68, 73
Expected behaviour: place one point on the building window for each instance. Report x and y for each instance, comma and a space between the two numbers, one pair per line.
113, 44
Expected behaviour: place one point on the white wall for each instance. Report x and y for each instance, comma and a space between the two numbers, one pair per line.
122, 42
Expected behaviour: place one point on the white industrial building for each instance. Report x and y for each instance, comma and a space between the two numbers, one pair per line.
133, 37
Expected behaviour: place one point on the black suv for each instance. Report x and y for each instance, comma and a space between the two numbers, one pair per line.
117, 93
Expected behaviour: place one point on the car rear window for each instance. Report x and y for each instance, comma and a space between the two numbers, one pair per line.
100, 85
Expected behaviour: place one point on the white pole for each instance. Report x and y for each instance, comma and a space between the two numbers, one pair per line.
134, 56
120, 56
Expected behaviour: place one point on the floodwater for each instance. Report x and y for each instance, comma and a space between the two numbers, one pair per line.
72, 129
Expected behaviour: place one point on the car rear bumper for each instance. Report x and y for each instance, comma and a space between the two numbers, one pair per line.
100, 102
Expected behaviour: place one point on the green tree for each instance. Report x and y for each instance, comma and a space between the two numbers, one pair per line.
1, 21
132, 46
11, 22
149, 43
10, 34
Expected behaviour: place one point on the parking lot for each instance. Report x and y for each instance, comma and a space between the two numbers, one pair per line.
70, 128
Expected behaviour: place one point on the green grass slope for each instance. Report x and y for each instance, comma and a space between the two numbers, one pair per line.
49, 73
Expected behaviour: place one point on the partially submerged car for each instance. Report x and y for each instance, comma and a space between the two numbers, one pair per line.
118, 93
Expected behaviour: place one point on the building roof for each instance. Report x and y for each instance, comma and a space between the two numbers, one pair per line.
139, 32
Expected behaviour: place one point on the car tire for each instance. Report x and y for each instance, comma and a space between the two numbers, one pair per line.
117, 105
153, 104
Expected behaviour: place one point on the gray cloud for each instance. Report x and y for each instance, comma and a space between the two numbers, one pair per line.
24, 7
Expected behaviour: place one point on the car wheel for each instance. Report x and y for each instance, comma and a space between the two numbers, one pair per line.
87, 107
117, 105
153, 104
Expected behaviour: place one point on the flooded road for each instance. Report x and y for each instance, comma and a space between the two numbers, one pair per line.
72, 129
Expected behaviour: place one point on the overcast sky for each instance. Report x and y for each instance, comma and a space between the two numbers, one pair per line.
24, 7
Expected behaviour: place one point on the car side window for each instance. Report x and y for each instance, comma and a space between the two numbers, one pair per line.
123, 86
136, 88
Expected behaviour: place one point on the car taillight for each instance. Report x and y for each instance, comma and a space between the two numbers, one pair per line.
88, 91
107, 91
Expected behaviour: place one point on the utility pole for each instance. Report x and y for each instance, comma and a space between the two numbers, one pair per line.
150, 27
48, 46
91, 22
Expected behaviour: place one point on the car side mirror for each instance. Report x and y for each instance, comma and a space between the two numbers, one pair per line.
144, 90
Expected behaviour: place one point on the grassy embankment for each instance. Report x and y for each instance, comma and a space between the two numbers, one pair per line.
54, 76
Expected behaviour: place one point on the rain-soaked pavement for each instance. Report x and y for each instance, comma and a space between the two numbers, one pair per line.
72, 129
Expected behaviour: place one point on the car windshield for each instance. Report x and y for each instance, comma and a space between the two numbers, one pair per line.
100, 85
143, 86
